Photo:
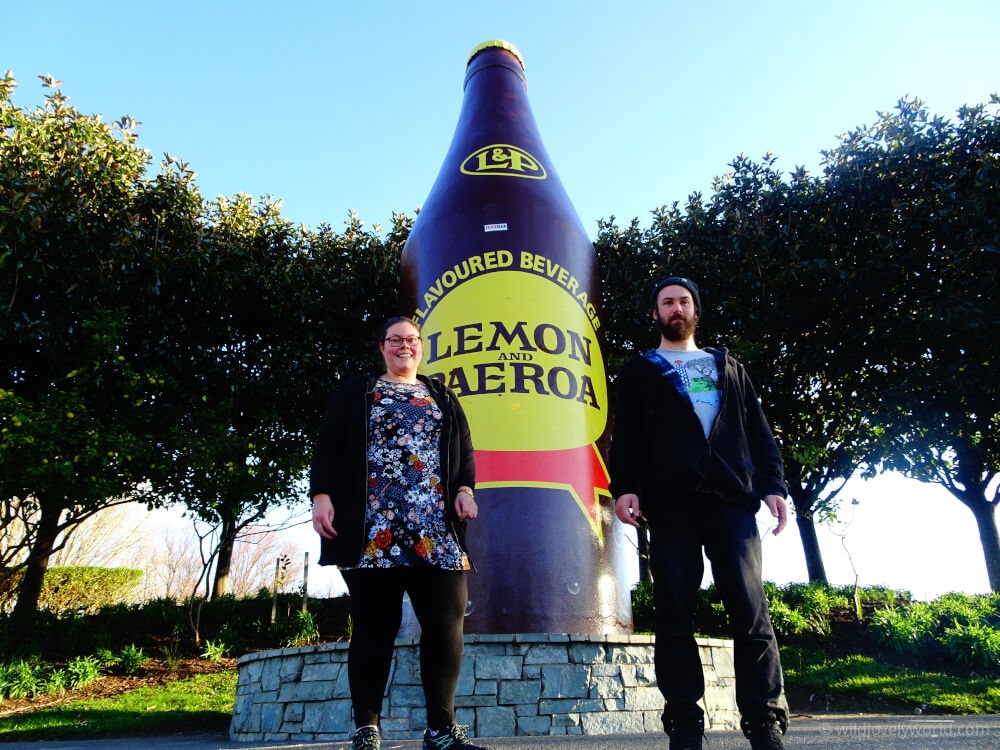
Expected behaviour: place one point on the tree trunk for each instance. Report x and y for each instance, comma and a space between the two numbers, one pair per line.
985, 514
224, 560
803, 503
30, 590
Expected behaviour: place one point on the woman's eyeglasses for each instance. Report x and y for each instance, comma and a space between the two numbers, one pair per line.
398, 340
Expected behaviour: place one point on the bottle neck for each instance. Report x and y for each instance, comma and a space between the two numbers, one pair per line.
491, 58
495, 104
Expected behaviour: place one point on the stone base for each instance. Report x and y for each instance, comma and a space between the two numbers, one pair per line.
510, 685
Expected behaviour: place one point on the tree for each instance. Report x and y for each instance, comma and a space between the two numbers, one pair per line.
74, 230
272, 315
933, 286
156, 347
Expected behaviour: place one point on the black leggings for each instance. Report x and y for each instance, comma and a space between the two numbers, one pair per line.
439, 598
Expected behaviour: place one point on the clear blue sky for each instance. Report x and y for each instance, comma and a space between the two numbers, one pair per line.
331, 105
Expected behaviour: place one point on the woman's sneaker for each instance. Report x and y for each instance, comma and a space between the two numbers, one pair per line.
367, 738
454, 738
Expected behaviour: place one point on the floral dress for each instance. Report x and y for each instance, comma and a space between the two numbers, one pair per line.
406, 518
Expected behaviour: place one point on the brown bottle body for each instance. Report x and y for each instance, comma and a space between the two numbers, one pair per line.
499, 272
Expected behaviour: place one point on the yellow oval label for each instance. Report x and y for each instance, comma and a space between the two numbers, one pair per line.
522, 354
504, 160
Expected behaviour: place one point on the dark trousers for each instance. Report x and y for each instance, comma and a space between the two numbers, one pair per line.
729, 537
439, 598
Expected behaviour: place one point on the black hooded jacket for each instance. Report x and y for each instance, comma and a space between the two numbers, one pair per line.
659, 451
340, 463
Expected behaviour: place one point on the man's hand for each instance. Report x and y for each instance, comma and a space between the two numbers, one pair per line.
779, 509
323, 516
627, 509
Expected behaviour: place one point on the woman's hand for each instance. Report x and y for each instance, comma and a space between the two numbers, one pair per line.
465, 505
323, 516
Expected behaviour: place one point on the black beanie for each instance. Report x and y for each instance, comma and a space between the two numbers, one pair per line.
679, 281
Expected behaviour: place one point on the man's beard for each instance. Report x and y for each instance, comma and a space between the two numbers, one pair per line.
679, 329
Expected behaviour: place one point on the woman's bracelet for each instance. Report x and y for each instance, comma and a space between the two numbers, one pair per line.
467, 490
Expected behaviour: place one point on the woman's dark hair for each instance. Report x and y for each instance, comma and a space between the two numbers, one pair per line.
391, 322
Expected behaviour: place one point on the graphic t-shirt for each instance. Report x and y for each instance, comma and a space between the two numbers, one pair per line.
700, 379
406, 519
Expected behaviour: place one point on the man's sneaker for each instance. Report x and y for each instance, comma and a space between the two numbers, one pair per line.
763, 735
367, 738
684, 734
454, 738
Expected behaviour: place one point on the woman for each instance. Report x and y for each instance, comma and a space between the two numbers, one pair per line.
392, 485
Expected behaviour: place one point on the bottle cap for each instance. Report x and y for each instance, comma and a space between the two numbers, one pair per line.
494, 44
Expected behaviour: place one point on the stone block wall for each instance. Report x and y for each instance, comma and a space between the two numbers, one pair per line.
510, 685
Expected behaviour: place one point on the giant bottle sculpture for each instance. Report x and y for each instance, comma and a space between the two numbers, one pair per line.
500, 274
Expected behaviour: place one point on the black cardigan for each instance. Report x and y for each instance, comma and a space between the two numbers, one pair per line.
340, 463
658, 447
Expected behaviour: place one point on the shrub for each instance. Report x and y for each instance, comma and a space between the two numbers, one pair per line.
974, 644
214, 650
84, 590
163, 617
966, 609
881, 596
83, 670
785, 620
56, 683
905, 630
172, 655
300, 630
131, 658
815, 602
710, 615
643, 608
20, 679
107, 658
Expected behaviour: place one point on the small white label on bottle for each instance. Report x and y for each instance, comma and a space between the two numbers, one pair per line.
495, 227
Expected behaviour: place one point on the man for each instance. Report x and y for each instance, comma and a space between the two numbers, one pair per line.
692, 455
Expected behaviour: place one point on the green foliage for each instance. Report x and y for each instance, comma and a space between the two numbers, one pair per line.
966, 627
203, 703
20, 679
973, 644
106, 658
968, 609
961, 627
215, 650
834, 681
172, 655
643, 607
28, 678
77, 589
904, 630
877, 596
57, 683
299, 630
814, 602
197, 370
83, 670
162, 616
131, 659
787, 621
